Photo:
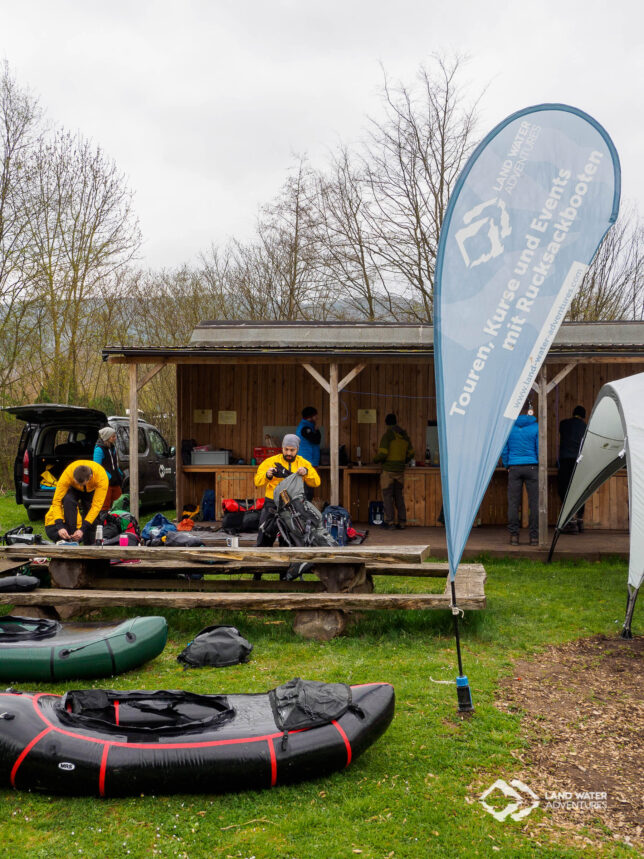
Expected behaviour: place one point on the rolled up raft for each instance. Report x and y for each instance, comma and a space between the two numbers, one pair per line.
112, 743
40, 649
18, 583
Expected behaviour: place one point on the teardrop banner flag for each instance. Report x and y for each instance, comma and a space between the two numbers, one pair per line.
527, 214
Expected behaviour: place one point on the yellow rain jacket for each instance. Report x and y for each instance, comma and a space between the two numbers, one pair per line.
98, 483
312, 478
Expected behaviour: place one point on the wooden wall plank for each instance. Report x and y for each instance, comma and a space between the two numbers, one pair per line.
274, 394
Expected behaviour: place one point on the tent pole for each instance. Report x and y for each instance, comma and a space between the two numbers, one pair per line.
630, 605
553, 544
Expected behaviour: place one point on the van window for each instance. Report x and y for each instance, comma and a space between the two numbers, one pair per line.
158, 443
123, 440
67, 442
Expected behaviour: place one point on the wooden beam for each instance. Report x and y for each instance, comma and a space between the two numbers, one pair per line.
561, 375
134, 445
239, 601
334, 434
319, 378
542, 381
351, 376
151, 374
248, 554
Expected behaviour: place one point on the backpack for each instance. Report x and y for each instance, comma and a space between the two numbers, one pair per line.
337, 522
218, 646
158, 527
208, 505
298, 521
117, 522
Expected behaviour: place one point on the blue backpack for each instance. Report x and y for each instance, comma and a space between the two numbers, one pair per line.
208, 506
157, 527
336, 520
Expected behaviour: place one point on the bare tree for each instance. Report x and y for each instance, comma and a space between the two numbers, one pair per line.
277, 275
413, 158
19, 127
613, 287
81, 231
346, 250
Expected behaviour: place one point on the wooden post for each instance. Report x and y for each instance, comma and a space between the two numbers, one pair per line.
333, 388
542, 382
334, 434
134, 444
178, 462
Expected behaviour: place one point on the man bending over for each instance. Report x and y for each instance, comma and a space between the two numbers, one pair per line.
77, 502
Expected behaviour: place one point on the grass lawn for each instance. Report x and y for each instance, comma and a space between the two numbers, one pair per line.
410, 794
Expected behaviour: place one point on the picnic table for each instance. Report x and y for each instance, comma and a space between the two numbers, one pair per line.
82, 577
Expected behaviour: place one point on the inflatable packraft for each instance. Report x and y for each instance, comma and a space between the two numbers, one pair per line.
110, 743
40, 649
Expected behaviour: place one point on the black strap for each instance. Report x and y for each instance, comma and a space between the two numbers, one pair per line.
14, 628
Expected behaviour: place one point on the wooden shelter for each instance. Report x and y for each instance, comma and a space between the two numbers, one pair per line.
239, 382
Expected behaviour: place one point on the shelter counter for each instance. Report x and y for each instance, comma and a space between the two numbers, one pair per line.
608, 507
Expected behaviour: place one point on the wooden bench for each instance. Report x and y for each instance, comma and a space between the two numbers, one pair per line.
344, 581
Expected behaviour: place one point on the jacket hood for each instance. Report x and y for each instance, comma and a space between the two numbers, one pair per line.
524, 420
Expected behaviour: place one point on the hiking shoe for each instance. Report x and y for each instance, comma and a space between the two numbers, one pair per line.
534, 541
514, 540
400, 526
580, 526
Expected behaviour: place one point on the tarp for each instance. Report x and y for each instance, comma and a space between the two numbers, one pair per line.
525, 219
614, 438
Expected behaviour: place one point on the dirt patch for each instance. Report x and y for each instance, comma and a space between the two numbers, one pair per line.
584, 721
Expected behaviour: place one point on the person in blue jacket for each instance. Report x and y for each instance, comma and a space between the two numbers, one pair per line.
310, 437
105, 454
521, 457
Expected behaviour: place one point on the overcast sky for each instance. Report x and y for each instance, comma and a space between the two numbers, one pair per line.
204, 103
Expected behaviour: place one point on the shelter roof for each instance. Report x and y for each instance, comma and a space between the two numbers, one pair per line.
221, 338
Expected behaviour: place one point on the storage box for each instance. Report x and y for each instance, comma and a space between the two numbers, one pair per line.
262, 453
210, 457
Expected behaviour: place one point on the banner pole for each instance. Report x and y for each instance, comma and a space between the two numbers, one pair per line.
463, 692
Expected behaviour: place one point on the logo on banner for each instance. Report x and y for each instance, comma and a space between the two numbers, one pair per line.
483, 235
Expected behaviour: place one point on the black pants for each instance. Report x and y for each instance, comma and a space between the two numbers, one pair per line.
564, 476
75, 501
517, 476
268, 530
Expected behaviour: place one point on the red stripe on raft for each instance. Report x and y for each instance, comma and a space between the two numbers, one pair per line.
103, 770
116, 712
346, 741
271, 751
23, 754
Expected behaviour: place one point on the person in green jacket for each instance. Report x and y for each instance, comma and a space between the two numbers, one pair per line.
394, 453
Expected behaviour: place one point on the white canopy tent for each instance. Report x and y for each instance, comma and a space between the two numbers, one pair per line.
614, 438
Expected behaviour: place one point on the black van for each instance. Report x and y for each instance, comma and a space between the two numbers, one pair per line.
55, 435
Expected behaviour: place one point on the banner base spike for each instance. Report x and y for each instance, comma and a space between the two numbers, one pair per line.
464, 695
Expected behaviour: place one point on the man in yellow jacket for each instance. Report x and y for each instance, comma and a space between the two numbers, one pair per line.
77, 502
271, 472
